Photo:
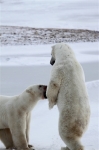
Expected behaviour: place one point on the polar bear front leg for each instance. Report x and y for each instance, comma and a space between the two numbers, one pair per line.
6, 138
28, 128
52, 93
53, 87
18, 131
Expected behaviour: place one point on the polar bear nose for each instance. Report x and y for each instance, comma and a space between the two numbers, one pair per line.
45, 87
52, 61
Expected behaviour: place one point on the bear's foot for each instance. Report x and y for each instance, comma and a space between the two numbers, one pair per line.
10, 147
65, 148
31, 147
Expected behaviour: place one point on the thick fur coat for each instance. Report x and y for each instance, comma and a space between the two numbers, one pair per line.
15, 115
67, 89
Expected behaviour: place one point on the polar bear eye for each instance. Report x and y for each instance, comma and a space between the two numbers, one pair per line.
40, 86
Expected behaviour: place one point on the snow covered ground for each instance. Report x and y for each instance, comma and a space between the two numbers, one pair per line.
21, 66
39, 55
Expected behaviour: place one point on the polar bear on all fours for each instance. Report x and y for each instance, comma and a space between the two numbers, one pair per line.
15, 115
67, 89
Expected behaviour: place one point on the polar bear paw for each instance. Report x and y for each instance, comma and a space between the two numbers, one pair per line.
65, 148
10, 148
31, 147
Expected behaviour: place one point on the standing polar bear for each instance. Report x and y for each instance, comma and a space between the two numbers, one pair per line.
15, 115
67, 89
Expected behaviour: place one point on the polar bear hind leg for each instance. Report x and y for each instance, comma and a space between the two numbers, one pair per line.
74, 145
6, 138
66, 148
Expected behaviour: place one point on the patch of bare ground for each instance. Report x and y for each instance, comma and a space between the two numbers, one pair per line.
15, 35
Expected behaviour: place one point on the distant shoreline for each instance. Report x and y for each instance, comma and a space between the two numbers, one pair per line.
16, 35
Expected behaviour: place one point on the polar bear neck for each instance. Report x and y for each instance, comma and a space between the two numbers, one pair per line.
27, 101
63, 56
63, 52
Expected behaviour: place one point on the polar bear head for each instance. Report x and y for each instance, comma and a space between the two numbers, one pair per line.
37, 91
60, 52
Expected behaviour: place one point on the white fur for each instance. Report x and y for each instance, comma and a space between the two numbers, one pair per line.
15, 115
67, 89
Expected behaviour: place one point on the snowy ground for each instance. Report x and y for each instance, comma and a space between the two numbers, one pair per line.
21, 66
39, 55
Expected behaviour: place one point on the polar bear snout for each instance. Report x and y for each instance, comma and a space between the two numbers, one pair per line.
43, 88
52, 61
44, 94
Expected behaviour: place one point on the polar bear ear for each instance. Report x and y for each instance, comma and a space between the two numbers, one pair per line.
30, 91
